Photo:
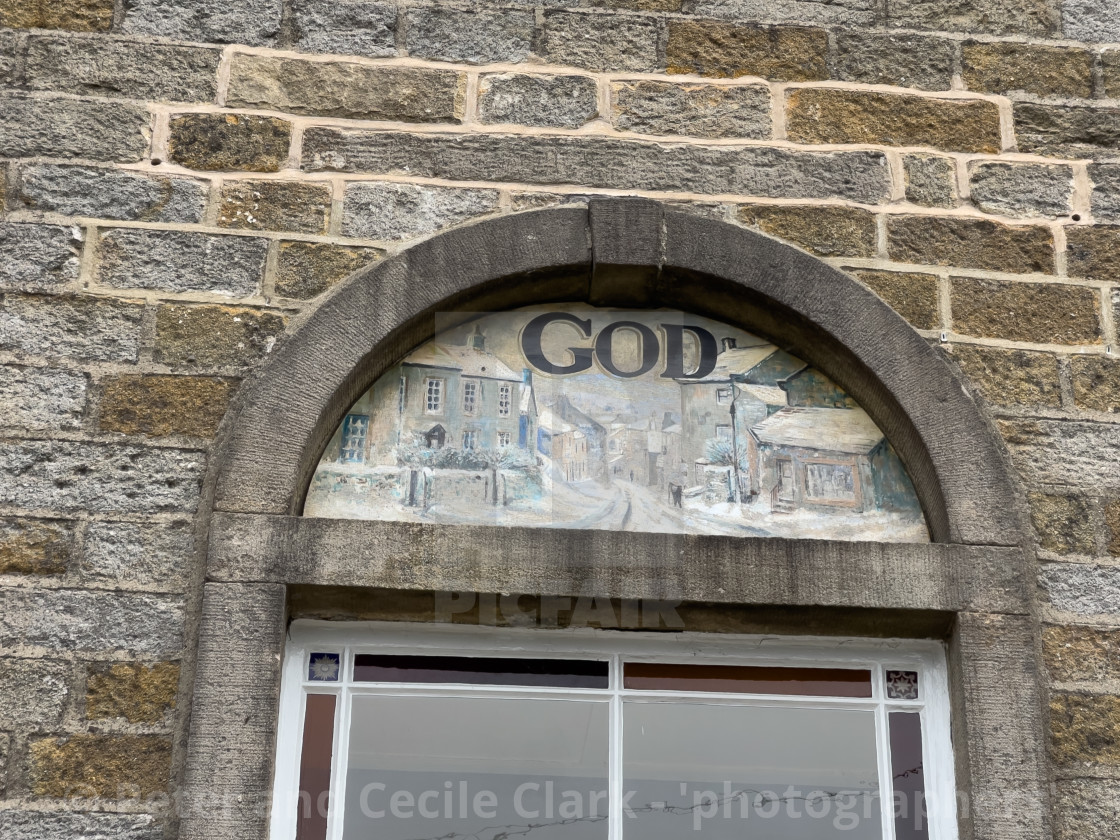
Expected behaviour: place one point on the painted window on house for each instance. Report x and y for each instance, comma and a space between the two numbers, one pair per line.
470, 439
503, 439
434, 396
505, 400
723, 396
470, 397
354, 429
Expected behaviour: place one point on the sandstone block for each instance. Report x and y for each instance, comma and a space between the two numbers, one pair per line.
229, 142
1091, 20
11, 50
1106, 191
546, 101
716, 111
1022, 189
1069, 131
1112, 526
133, 691
1087, 809
618, 43
401, 211
82, 327
130, 555
35, 693
108, 766
1110, 73
970, 243
1063, 523
913, 61
828, 12
214, 336
912, 295
1093, 252
1082, 588
992, 17
1096, 383
1077, 454
1039, 312
106, 193
74, 15
35, 546
307, 269
252, 22
1007, 67
38, 257
275, 205
157, 406
1011, 377
1084, 729
474, 37
346, 27
1075, 653
32, 126
824, 231
41, 399
778, 53
931, 180
37, 825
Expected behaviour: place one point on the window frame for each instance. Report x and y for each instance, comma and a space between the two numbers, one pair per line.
440, 394
307, 637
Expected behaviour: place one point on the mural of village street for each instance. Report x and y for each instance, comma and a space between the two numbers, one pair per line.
571, 416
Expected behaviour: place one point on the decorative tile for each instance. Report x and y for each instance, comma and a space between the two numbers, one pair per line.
324, 667
902, 685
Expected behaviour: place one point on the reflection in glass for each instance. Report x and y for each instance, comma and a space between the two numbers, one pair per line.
473, 670
315, 767
908, 772
736, 679
712, 771
478, 768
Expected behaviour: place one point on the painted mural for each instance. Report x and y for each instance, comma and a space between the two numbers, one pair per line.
571, 416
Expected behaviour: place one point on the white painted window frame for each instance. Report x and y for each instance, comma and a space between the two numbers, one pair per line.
400, 638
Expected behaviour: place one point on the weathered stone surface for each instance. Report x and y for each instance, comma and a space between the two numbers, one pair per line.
720, 111
1106, 191
109, 766
1096, 382
214, 336
31, 126
178, 261
41, 398
35, 692
1085, 589
1008, 67
72, 825
1039, 312
824, 115
1087, 809
11, 50
1110, 73
1064, 524
475, 37
993, 17
912, 295
307, 269
1076, 454
157, 406
82, 327
346, 27
1084, 729
1074, 653
275, 205
1091, 20
838, 12
1112, 526
600, 162
1069, 131
77, 621
1093, 252
72, 476
229, 141
1022, 189
37, 257
138, 693
778, 53
913, 61
110, 193
122, 67
546, 101
345, 89
401, 211
75, 15
616, 43
825, 231
931, 180
252, 22
129, 555
1011, 377
970, 243
35, 546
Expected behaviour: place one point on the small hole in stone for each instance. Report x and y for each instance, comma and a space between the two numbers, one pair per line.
1076, 217
156, 161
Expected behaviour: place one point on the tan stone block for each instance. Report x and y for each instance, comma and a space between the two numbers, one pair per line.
1081, 653
1064, 523
158, 406
275, 205
824, 115
1112, 526
1110, 69
1006, 67
35, 546
214, 336
1096, 383
108, 766
970, 243
307, 269
912, 295
780, 53
1038, 312
1093, 252
74, 15
1085, 729
216, 142
138, 693
1011, 377
825, 231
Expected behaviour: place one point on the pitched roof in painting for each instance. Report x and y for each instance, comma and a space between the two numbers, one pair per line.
468, 360
847, 430
737, 361
767, 394
549, 422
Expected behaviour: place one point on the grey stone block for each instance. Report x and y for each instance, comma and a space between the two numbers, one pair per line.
345, 27
177, 261
86, 328
1106, 191
474, 37
1076, 454
37, 257
613, 42
547, 101
111, 194
1022, 189
402, 211
76, 620
120, 67
42, 398
1069, 131
1091, 20
11, 45
252, 22
47, 825
993, 17
130, 555
1087, 809
1084, 589
102, 478
35, 693
609, 163
931, 180
31, 126
913, 61
829, 12
719, 111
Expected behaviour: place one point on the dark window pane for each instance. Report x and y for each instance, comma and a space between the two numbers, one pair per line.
558, 673
806, 682
315, 767
909, 776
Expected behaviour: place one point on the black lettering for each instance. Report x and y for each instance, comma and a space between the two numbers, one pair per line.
674, 352
531, 344
650, 348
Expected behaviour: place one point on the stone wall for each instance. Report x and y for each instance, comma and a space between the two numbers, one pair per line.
180, 178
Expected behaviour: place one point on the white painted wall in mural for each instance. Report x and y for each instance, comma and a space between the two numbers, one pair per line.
571, 416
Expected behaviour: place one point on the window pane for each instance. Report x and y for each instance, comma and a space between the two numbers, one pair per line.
734, 679
559, 673
718, 771
908, 772
315, 767
483, 768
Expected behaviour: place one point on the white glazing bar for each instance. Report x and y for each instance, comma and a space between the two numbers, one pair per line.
883, 749
616, 775
289, 742
341, 755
